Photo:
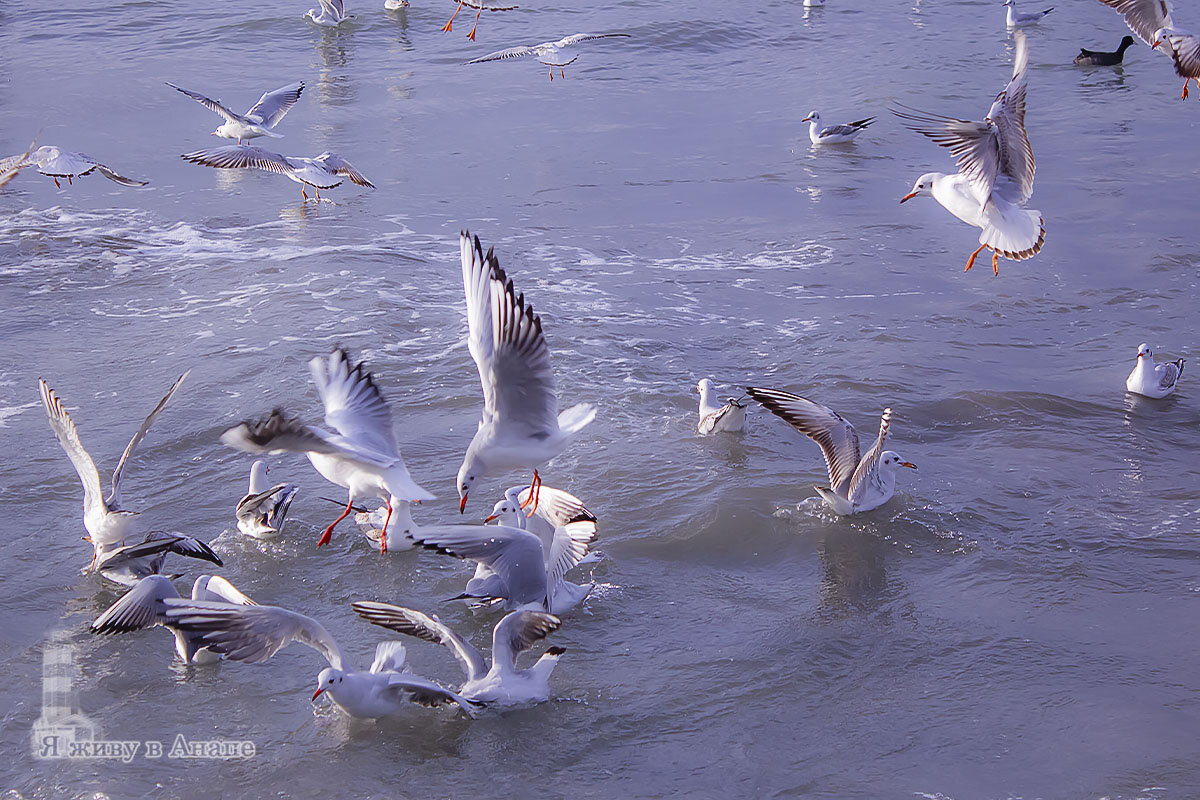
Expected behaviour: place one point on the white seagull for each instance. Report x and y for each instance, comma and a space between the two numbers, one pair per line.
548, 53
857, 481
54, 162
834, 134
323, 172
996, 167
255, 633
1151, 21
729, 417
480, 6
106, 522
263, 511
521, 426
145, 606
259, 120
330, 14
362, 456
1015, 19
502, 684
128, 564
1150, 379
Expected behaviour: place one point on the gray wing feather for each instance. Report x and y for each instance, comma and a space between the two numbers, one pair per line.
423, 626
237, 156
515, 555
354, 406
274, 105
836, 437
340, 166
861, 480
1144, 17
114, 497
519, 631
251, 633
140, 607
212, 105
68, 437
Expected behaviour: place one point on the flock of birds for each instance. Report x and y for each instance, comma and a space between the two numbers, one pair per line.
535, 535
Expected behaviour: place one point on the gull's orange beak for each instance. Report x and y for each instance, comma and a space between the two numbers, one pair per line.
807, 119
317, 694
490, 517
908, 464
1155, 45
908, 197
462, 504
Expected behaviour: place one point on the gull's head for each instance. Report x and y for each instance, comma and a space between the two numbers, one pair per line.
505, 511
1144, 351
922, 188
328, 680
813, 116
467, 474
704, 386
892, 460
1008, 3
259, 468
1160, 36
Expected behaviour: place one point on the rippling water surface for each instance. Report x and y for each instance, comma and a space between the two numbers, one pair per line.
1019, 622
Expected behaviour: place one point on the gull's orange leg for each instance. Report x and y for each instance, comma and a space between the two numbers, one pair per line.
386, 520
995, 263
471, 35
70, 184
449, 23
534, 492
552, 73
971, 260
562, 74
56, 185
303, 193
1185, 91
324, 540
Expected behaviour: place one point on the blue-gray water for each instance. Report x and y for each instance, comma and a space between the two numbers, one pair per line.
1019, 622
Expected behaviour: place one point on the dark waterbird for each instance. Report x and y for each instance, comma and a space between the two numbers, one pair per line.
1099, 58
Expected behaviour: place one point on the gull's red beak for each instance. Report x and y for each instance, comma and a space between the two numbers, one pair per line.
317, 694
908, 464
490, 518
1155, 45
807, 119
908, 197
462, 504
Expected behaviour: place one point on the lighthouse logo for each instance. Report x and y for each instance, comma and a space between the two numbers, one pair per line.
62, 729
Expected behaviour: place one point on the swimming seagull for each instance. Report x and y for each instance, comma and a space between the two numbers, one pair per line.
259, 120
1150, 379
128, 564
145, 605
480, 6
521, 426
263, 511
255, 633
996, 167
106, 522
729, 417
834, 134
857, 481
330, 14
362, 456
548, 52
1015, 19
502, 684
54, 162
1101, 58
1151, 21
323, 172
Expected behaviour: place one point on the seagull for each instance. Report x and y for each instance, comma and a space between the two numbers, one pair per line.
362, 456
395, 5
547, 52
259, 120
813, 3
254, 633
729, 417
521, 426
566, 529
263, 511
480, 6
1016, 19
144, 606
1100, 58
128, 564
834, 134
1151, 21
1150, 379
500, 685
996, 167
857, 482
55, 163
106, 522
330, 14
323, 172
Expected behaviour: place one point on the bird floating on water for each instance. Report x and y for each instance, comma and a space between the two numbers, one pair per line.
727, 417
259, 120
834, 134
548, 53
1015, 19
54, 162
857, 481
262, 512
1101, 58
996, 166
323, 172
330, 14
1150, 379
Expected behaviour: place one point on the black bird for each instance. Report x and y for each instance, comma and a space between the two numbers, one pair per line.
1093, 58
